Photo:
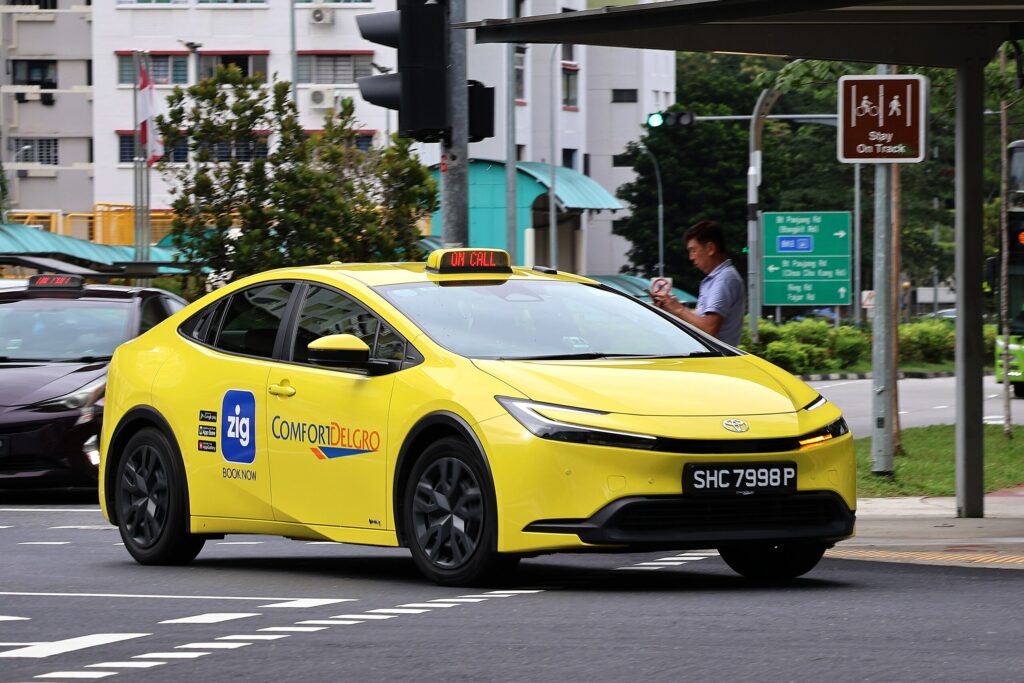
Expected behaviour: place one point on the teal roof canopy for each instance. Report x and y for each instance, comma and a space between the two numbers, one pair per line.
573, 189
26, 240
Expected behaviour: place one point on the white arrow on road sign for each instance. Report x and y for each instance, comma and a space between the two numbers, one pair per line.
841, 234
772, 269
842, 292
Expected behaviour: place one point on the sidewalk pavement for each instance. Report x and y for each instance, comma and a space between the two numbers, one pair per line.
926, 530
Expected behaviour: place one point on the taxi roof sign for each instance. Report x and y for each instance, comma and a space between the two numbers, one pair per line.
457, 261
55, 281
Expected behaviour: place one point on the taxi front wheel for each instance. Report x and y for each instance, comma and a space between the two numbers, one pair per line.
773, 561
450, 516
150, 499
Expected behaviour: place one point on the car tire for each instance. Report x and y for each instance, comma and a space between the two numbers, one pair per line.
450, 517
149, 497
773, 561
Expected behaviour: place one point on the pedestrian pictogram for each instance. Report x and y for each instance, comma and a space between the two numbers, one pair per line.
661, 285
882, 119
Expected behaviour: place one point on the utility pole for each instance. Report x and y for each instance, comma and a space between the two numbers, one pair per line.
455, 148
511, 228
857, 283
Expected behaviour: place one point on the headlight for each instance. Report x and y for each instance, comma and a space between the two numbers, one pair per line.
836, 429
816, 403
83, 398
524, 411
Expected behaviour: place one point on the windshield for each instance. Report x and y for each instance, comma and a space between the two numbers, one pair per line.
518, 319
62, 329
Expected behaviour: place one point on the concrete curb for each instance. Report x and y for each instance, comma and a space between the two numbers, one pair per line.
867, 375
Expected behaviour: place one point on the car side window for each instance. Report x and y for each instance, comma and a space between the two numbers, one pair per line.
252, 319
152, 312
325, 312
390, 346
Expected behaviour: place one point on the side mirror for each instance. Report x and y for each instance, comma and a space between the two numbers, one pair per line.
339, 351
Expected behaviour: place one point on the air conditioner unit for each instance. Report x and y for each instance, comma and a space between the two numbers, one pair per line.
321, 98
321, 15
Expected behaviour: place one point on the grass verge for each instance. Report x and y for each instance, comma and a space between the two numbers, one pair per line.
928, 465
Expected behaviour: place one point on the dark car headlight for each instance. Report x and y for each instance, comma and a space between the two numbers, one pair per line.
524, 411
83, 399
829, 432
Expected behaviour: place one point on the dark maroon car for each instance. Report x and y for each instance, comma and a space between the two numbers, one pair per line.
56, 339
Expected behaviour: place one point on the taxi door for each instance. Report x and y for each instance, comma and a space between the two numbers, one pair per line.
328, 427
219, 392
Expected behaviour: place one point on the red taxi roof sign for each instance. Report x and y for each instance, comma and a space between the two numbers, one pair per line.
457, 261
55, 281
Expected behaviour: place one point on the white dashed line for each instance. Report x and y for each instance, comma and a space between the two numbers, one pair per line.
639, 567
662, 563
211, 618
143, 595
171, 655
430, 605
210, 646
78, 674
45, 543
21, 644
303, 603
254, 636
125, 665
3, 526
459, 600
396, 610
523, 591
295, 629
7, 618
939, 407
364, 616
328, 622
485, 597
59, 647
239, 542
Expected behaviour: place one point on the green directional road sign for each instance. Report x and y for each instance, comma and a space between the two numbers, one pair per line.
807, 258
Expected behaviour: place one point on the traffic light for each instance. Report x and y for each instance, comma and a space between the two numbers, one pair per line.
481, 111
660, 119
419, 91
1015, 225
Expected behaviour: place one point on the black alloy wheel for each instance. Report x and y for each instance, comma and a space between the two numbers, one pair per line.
149, 499
450, 517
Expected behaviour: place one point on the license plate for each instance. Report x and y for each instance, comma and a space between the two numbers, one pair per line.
741, 479
4, 445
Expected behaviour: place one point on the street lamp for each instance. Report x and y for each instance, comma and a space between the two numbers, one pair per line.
661, 211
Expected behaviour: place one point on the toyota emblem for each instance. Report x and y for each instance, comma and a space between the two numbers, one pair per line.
735, 425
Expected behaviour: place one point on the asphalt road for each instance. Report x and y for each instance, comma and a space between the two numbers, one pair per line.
922, 402
73, 604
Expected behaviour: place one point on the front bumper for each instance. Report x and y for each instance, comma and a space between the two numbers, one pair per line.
689, 523
45, 449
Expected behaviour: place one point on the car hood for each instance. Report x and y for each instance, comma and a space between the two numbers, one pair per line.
25, 383
729, 386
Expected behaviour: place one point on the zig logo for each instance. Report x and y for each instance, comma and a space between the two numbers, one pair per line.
237, 427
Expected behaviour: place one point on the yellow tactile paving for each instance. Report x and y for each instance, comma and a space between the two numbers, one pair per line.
928, 556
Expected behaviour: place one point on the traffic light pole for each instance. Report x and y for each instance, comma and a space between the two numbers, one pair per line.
455, 147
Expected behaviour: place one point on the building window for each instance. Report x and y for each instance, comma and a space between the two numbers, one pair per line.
520, 67
41, 4
570, 83
624, 95
248, 64
41, 72
332, 68
622, 160
126, 150
256, 148
569, 158
167, 69
232, 2
520, 152
568, 52
586, 164
35, 151
152, 2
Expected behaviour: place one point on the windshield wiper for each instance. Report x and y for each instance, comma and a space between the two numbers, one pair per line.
85, 359
589, 355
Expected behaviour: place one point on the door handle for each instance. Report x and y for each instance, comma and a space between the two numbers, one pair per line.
282, 389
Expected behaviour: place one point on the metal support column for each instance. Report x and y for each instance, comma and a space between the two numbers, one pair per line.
883, 373
970, 443
511, 229
858, 312
455, 149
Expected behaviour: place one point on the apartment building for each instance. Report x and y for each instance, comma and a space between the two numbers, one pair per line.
67, 98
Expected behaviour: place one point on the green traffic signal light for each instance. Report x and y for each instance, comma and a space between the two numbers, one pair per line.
655, 120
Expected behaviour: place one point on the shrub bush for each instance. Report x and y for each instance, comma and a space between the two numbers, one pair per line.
849, 346
813, 332
928, 341
790, 356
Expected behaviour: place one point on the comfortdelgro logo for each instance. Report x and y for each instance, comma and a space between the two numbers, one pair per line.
237, 427
327, 440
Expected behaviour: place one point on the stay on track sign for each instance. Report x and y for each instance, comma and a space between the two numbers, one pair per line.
882, 119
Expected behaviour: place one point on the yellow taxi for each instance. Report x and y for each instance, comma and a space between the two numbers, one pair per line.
471, 411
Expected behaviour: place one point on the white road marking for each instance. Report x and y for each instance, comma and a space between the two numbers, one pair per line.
296, 629
328, 622
70, 645
78, 674
662, 563
396, 610
125, 665
143, 595
88, 527
638, 567
44, 543
210, 646
310, 602
364, 616
239, 542
699, 556
939, 407
496, 595
5, 526
517, 591
38, 642
171, 655
430, 605
459, 600
211, 618
7, 618
261, 636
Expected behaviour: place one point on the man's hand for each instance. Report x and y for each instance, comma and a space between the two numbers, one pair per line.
667, 302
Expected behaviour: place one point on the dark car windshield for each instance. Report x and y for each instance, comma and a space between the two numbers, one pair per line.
518, 319
62, 329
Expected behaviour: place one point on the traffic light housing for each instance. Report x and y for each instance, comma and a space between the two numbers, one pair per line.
419, 91
666, 119
1015, 238
481, 111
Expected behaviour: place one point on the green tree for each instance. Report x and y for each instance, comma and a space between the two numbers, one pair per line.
259, 193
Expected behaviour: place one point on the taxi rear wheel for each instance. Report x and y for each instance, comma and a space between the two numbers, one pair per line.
450, 516
773, 561
150, 498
